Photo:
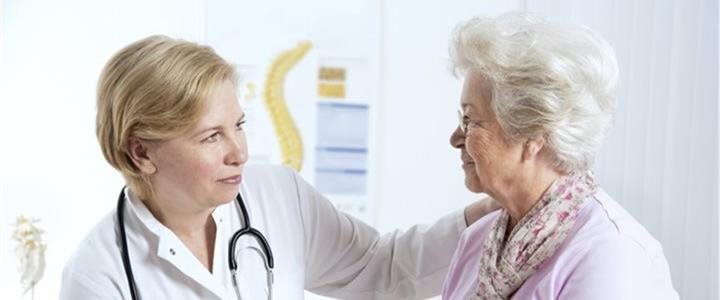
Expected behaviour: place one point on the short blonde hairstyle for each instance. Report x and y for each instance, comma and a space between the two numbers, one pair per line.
153, 89
547, 80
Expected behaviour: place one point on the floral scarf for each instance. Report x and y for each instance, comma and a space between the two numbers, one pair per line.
505, 264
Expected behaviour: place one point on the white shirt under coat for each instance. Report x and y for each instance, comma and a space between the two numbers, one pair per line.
315, 247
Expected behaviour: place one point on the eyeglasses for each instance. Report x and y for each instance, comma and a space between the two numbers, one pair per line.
462, 121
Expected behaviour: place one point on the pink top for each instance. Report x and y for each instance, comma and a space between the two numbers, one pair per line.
607, 255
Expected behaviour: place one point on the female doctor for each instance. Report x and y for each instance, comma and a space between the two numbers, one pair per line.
195, 223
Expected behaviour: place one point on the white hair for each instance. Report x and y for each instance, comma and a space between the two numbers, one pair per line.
547, 80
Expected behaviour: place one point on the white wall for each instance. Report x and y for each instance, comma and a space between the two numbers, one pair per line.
50, 164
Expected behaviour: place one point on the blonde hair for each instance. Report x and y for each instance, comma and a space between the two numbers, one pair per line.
153, 89
547, 80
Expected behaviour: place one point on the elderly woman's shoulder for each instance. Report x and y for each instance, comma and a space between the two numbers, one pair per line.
607, 223
612, 254
609, 242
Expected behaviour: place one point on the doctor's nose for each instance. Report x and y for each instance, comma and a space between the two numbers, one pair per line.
237, 153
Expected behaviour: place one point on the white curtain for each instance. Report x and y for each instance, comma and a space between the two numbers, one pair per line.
660, 160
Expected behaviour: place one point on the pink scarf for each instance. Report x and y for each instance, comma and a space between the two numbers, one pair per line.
505, 264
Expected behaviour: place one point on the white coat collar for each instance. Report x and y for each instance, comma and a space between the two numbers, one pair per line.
171, 249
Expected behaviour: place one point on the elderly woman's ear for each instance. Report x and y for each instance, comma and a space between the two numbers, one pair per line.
532, 147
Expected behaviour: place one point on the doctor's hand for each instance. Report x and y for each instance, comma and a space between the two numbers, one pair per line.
479, 209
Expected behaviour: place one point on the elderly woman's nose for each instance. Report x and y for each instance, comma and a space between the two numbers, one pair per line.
457, 139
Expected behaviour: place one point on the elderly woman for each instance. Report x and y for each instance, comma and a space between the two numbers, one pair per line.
195, 222
536, 103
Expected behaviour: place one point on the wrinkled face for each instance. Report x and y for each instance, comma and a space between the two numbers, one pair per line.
202, 168
488, 157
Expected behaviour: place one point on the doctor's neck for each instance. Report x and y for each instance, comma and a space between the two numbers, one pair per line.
192, 224
184, 221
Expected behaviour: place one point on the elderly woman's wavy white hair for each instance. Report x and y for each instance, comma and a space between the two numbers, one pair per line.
548, 80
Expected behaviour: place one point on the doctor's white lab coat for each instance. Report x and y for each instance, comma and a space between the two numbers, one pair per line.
315, 247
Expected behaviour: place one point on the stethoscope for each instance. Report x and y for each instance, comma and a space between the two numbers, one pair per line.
247, 229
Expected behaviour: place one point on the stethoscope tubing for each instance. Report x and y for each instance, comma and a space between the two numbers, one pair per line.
247, 229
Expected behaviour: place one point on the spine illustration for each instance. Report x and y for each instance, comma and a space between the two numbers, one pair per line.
287, 133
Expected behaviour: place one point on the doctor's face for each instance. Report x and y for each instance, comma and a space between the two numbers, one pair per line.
202, 168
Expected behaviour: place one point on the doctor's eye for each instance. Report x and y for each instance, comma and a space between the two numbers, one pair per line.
212, 138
